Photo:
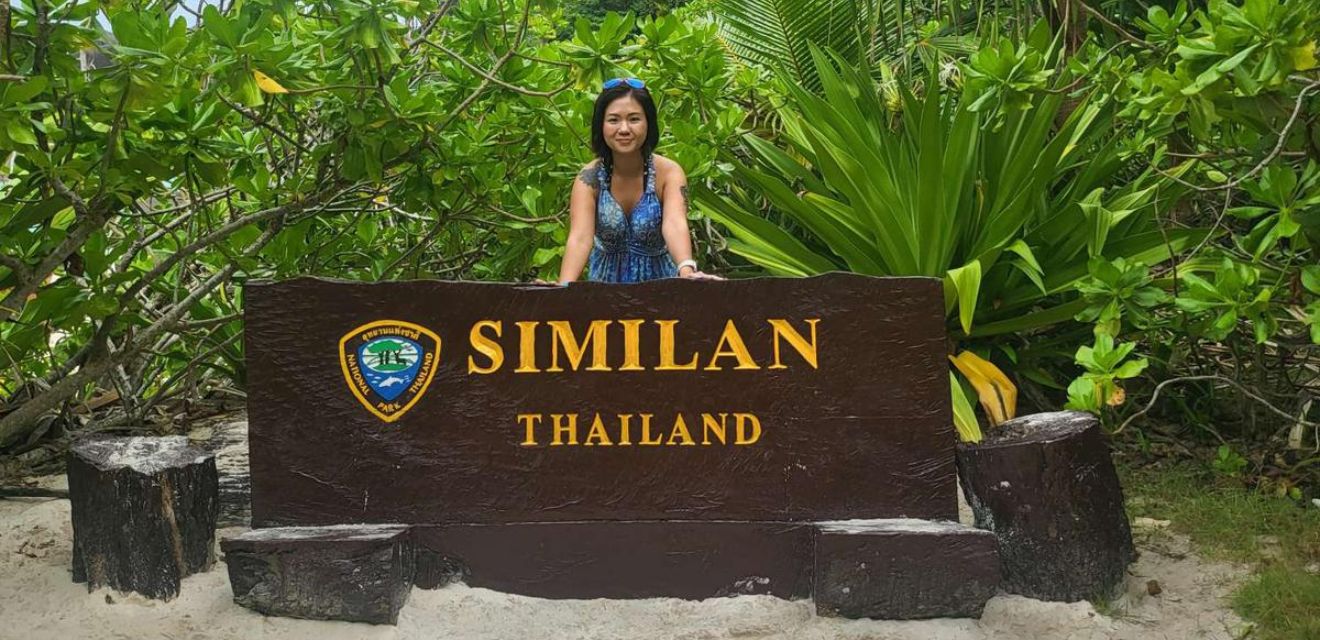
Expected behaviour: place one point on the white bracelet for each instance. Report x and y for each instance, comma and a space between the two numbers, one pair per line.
688, 263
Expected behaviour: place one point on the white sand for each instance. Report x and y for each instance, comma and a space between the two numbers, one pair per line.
39, 600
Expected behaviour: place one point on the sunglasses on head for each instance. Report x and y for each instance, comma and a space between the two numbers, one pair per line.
632, 82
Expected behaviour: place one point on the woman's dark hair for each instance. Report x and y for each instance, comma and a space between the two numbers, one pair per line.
603, 101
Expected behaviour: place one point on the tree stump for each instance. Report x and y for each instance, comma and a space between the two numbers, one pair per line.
356, 573
1046, 486
144, 512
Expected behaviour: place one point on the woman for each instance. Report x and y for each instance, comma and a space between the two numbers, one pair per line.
628, 211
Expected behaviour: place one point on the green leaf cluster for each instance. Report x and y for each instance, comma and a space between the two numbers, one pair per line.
935, 191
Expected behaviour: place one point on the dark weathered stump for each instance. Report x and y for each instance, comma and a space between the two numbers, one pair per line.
903, 569
356, 573
1045, 485
144, 512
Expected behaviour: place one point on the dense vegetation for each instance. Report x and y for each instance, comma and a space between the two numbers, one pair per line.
1123, 198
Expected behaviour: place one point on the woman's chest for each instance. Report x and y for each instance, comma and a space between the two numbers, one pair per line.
630, 193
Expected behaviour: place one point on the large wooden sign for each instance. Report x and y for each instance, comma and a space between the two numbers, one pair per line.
425, 402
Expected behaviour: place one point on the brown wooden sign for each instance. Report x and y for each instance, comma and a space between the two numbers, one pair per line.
426, 402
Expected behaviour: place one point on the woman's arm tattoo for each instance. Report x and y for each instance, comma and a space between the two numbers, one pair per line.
588, 177
683, 190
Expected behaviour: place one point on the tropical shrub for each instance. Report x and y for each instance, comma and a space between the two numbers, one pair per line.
976, 186
361, 139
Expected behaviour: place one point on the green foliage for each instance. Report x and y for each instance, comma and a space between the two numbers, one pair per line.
1105, 364
881, 34
936, 192
1284, 205
964, 416
1226, 84
1008, 77
272, 139
1159, 183
1230, 51
1228, 462
596, 11
1235, 294
1118, 289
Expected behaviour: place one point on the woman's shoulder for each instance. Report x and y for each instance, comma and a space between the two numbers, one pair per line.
664, 165
667, 172
589, 174
665, 168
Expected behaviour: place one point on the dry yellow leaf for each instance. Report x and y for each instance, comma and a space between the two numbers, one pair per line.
267, 83
996, 392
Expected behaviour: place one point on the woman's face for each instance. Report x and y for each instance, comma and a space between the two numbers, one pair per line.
625, 125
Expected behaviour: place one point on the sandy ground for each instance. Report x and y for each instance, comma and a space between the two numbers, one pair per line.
39, 600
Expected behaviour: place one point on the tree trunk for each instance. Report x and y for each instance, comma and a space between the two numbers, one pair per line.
144, 512
1045, 485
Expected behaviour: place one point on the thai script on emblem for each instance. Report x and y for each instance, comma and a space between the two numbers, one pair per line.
388, 365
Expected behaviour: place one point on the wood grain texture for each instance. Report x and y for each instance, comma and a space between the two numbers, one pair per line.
144, 513
351, 573
1046, 486
904, 570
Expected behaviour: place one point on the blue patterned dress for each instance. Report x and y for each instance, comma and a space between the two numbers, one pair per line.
629, 247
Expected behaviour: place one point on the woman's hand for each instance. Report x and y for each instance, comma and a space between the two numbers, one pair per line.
690, 273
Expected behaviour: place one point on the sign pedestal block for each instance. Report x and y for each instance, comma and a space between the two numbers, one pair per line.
903, 569
356, 573
673, 559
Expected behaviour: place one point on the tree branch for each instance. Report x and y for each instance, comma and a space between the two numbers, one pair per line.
1160, 387
15, 265
491, 78
1114, 26
1260, 166
251, 115
91, 219
487, 79
20, 421
233, 226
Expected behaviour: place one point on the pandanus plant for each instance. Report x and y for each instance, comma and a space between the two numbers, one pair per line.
1006, 205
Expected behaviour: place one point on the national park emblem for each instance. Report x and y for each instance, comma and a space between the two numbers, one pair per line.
388, 365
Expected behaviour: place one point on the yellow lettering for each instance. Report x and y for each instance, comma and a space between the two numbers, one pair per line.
530, 420
486, 346
560, 429
680, 430
632, 340
646, 431
527, 347
709, 426
732, 346
562, 334
598, 432
667, 349
744, 437
623, 429
795, 339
